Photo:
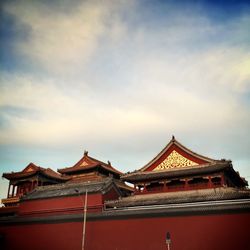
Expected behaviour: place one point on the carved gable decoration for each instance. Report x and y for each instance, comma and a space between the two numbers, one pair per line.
31, 167
175, 160
84, 163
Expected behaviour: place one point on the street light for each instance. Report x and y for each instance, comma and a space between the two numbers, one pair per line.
168, 240
84, 216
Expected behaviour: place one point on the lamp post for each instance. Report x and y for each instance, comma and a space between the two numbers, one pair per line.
84, 216
168, 240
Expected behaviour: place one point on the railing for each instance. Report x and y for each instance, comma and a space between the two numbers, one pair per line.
10, 200
216, 184
183, 187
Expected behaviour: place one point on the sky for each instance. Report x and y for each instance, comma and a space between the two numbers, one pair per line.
119, 78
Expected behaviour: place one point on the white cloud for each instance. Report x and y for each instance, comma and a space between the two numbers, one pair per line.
130, 76
158, 99
62, 41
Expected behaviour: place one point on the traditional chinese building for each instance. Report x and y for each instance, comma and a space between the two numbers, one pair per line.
23, 182
177, 168
89, 169
195, 201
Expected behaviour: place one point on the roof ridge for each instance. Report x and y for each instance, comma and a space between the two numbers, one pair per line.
194, 153
71, 184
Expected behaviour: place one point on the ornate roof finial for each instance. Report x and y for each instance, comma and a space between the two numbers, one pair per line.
86, 153
173, 138
109, 163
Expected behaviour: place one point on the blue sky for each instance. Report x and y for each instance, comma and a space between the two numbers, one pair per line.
118, 78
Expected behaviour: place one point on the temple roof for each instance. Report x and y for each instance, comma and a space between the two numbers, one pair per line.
71, 189
180, 197
33, 169
176, 161
86, 163
175, 155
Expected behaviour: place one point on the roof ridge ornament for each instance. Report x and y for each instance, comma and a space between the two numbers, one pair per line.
173, 138
86, 153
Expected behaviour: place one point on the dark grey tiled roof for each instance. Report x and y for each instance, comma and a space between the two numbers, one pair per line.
180, 197
201, 169
70, 189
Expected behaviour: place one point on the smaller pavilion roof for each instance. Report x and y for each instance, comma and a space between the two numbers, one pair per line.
87, 163
33, 169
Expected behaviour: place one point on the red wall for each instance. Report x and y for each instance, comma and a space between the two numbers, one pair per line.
112, 194
208, 232
55, 205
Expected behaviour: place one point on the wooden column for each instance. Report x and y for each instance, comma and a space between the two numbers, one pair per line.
164, 186
8, 194
210, 184
13, 188
222, 180
186, 184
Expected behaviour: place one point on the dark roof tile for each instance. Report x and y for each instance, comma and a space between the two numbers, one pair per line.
69, 189
180, 197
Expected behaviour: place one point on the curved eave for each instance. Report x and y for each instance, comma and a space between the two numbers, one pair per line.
123, 185
107, 166
21, 175
237, 176
153, 175
111, 169
18, 175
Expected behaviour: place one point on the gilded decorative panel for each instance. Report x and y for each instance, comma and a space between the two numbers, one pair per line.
29, 169
175, 160
83, 164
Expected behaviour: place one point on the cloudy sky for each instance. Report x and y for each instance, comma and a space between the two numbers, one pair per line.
119, 78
